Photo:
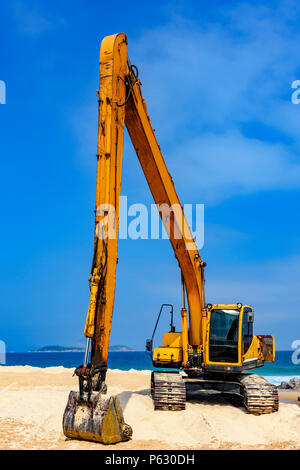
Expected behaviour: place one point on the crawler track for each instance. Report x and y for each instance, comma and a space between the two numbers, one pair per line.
168, 391
260, 397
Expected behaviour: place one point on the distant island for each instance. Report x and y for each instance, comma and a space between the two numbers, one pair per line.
120, 348
116, 348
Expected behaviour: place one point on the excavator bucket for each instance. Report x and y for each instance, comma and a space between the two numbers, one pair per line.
96, 419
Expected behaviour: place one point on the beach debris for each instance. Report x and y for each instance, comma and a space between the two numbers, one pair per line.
292, 384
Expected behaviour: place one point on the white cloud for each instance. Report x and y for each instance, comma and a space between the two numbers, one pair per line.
216, 72
217, 167
204, 83
262, 283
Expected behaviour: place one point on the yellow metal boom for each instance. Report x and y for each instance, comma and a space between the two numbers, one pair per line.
121, 100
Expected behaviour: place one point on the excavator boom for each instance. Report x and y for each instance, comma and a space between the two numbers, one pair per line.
164, 194
121, 100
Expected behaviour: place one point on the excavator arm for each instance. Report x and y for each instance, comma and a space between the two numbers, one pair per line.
121, 100
112, 91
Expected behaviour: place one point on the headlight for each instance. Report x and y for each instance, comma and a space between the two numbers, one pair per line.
239, 305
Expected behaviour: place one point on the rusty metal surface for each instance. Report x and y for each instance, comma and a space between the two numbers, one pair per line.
168, 391
260, 397
99, 419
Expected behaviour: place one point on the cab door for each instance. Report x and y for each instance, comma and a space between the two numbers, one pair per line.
267, 344
247, 329
224, 336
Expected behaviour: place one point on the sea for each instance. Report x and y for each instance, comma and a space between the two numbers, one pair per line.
283, 369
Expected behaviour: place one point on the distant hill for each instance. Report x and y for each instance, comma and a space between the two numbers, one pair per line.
120, 347
58, 349
117, 348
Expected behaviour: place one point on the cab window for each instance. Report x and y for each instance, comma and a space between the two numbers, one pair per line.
223, 336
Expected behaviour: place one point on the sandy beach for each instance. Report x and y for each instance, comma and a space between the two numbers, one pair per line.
32, 403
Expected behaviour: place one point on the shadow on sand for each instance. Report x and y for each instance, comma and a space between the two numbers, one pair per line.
208, 398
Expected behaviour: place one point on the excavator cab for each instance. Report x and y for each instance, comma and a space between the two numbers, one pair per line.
229, 343
224, 335
230, 348
232, 345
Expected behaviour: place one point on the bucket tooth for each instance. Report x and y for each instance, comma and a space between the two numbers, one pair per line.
95, 420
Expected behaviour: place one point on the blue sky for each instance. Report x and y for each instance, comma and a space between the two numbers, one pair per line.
217, 79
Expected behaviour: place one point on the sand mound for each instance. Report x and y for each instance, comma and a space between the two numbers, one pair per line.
32, 403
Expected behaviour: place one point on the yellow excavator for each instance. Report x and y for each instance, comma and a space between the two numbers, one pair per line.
216, 344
